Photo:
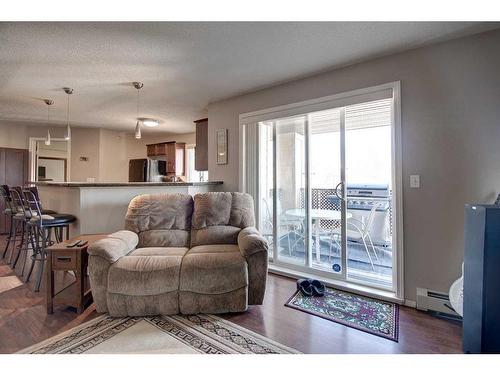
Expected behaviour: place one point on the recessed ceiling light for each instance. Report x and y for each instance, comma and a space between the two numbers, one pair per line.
151, 123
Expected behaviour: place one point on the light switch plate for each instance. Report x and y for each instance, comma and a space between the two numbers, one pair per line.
414, 181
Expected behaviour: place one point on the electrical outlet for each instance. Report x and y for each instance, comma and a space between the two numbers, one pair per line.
415, 181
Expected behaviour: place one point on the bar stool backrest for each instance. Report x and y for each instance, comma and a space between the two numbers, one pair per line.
32, 205
5, 193
16, 193
34, 190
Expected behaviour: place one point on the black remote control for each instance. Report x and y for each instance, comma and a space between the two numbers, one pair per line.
74, 243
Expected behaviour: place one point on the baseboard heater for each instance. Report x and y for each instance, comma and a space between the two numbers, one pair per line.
435, 302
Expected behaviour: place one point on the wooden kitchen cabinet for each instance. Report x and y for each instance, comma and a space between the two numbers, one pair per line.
174, 153
157, 149
151, 150
170, 152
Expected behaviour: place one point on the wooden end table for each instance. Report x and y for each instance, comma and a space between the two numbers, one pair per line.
63, 258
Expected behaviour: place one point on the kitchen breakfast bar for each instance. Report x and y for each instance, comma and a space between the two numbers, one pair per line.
101, 207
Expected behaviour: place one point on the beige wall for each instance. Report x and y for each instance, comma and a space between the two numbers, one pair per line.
13, 135
85, 143
107, 151
450, 134
113, 159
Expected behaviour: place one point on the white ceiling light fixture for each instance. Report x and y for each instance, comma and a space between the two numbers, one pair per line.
49, 102
67, 136
150, 122
138, 86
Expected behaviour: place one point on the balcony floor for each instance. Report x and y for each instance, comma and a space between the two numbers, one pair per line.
357, 259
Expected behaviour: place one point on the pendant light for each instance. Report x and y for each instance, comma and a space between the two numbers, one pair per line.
138, 86
49, 103
67, 136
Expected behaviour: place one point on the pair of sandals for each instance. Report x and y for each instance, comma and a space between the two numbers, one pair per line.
310, 287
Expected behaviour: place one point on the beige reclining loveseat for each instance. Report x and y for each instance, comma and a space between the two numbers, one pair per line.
181, 255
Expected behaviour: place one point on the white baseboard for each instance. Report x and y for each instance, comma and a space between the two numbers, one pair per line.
410, 303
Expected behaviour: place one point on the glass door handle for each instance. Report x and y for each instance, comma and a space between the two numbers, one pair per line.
340, 196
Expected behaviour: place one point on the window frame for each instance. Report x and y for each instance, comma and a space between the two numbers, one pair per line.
340, 100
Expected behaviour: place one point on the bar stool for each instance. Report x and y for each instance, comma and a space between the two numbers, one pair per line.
41, 225
34, 190
20, 229
19, 221
9, 213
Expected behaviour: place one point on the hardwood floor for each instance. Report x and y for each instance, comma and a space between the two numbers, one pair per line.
24, 322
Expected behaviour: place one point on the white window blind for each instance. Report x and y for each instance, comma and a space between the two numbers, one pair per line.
250, 180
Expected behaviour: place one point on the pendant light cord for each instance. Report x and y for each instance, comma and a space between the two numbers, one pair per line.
67, 113
137, 115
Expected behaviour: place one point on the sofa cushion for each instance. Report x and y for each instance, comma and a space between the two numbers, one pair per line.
159, 251
217, 234
211, 209
219, 248
213, 269
242, 211
144, 275
195, 303
164, 238
161, 219
218, 217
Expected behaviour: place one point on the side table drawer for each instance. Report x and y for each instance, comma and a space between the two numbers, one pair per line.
64, 260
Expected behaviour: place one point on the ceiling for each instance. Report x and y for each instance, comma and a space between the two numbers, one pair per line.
183, 65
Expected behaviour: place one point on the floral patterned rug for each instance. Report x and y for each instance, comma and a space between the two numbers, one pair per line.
366, 314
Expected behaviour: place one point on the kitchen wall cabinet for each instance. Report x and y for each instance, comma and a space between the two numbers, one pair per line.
174, 153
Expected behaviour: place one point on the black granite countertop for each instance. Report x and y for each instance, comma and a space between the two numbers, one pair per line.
123, 184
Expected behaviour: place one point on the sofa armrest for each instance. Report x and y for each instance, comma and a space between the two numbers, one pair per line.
250, 241
115, 245
254, 249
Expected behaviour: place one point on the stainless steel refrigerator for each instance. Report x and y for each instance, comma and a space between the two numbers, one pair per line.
146, 170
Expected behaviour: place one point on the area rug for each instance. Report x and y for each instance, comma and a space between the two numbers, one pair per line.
366, 314
196, 334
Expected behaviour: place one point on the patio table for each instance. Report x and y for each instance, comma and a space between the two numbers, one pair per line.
317, 215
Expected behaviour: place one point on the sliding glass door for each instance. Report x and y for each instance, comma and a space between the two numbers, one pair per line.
326, 175
368, 165
324, 191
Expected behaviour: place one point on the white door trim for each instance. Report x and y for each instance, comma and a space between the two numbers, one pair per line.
33, 156
397, 167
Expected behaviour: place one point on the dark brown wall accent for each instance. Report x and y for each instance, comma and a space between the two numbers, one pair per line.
13, 172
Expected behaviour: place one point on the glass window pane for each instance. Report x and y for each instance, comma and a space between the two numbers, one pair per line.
369, 191
290, 194
325, 166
